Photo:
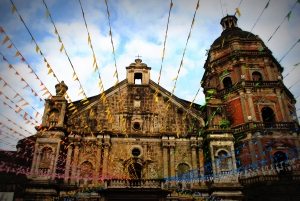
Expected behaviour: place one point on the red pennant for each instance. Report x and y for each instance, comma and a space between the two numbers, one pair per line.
4, 59
23, 59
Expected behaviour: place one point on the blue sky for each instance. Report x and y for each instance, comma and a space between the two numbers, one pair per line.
138, 27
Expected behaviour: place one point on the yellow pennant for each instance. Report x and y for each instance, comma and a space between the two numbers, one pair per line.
48, 66
100, 83
50, 71
80, 93
94, 62
61, 48
59, 39
13, 9
17, 54
5, 40
36, 48
238, 12
181, 62
197, 6
55, 31
174, 79
47, 14
9, 46
89, 39
96, 68
74, 74
116, 83
115, 73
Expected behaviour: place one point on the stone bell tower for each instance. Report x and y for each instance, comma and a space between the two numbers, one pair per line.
46, 158
248, 101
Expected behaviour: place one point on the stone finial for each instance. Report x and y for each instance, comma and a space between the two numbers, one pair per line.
61, 88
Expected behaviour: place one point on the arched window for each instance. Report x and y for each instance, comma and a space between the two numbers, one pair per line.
280, 160
86, 173
182, 170
53, 117
227, 82
224, 160
45, 162
267, 114
256, 76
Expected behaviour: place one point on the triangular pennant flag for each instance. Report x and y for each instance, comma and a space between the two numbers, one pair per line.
13, 9
25, 115
26, 86
267, 4
238, 12
5, 40
25, 104
50, 71
1, 30
5, 84
171, 5
4, 59
16, 95
116, 83
174, 79
23, 59
36, 48
10, 66
47, 14
9, 46
115, 73
59, 39
197, 6
17, 54
289, 15
44, 89
55, 31
96, 68
61, 48
47, 92
20, 100
20, 109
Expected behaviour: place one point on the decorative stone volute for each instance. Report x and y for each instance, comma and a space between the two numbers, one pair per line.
61, 88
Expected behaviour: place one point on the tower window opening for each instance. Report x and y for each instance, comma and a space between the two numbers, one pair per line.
227, 82
135, 170
267, 114
256, 76
138, 78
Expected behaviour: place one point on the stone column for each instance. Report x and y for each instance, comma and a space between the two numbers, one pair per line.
277, 90
260, 150
68, 162
252, 151
165, 161
74, 164
201, 163
172, 161
145, 159
56, 159
39, 155
34, 160
297, 143
105, 160
243, 104
250, 103
98, 164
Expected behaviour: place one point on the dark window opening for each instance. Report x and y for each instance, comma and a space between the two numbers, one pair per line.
223, 160
280, 160
227, 82
256, 76
136, 152
138, 78
135, 171
267, 114
137, 126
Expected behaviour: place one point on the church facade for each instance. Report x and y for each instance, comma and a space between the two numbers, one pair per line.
138, 141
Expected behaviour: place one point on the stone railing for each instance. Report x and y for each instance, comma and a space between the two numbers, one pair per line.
264, 126
269, 178
121, 183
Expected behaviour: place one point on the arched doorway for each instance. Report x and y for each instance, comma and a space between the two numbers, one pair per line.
280, 160
267, 114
